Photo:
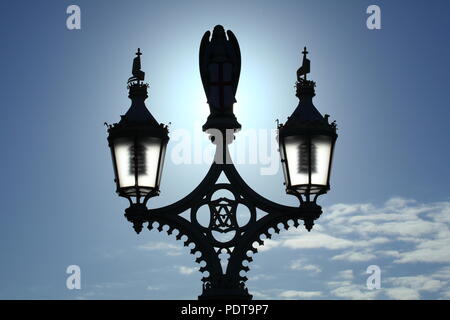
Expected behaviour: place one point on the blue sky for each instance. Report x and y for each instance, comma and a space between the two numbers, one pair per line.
387, 89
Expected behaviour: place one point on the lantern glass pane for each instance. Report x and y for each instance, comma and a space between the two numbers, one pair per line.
161, 165
122, 150
297, 157
148, 157
322, 151
283, 163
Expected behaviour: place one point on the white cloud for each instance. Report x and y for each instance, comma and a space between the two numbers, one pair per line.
341, 210
445, 295
150, 288
299, 265
170, 249
428, 250
268, 244
260, 295
443, 273
312, 268
354, 256
350, 228
316, 240
398, 203
346, 274
389, 253
348, 290
402, 293
420, 282
401, 235
293, 294
186, 270
261, 277
400, 232
399, 228
442, 213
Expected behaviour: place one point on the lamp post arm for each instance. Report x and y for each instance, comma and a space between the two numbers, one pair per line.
277, 214
245, 190
195, 196
223, 218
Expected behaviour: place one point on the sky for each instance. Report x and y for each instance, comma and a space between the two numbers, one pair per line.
388, 205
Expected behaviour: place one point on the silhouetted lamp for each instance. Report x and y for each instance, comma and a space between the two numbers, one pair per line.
306, 143
138, 143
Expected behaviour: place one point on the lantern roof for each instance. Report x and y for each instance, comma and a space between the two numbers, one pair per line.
138, 118
306, 111
138, 112
137, 92
306, 118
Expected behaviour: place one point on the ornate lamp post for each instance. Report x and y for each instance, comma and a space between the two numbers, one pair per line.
306, 143
138, 145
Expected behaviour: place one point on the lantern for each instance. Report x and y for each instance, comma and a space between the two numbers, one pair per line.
306, 143
138, 144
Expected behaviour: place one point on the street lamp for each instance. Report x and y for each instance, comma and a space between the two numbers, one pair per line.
306, 143
138, 144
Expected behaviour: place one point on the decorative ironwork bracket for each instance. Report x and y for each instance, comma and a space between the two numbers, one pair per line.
223, 219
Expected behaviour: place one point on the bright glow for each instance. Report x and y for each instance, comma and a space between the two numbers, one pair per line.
151, 148
142, 157
163, 154
303, 157
322, 159
294, 155
122, 151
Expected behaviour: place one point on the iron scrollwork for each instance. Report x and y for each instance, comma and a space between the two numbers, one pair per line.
205, 240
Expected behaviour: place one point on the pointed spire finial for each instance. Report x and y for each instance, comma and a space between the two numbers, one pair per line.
138, 74
305, 68
305, 52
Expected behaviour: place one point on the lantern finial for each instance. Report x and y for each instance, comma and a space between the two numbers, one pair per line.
305, 68
138, 74
306, 143
138, 143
